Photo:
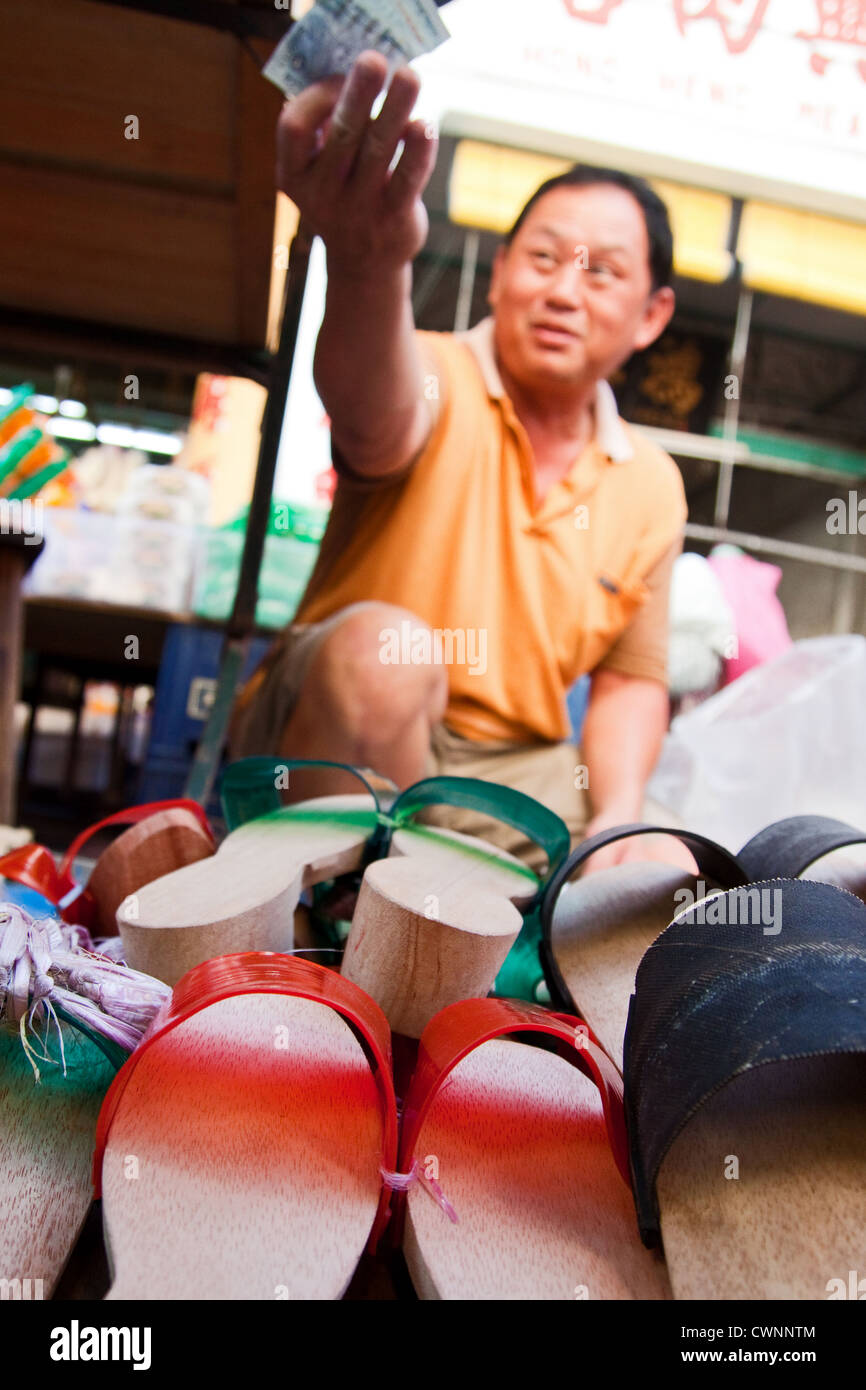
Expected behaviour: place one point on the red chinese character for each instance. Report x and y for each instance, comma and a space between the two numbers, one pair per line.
837, 21
732, 16
600, 15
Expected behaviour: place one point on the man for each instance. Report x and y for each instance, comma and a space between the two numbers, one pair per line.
497, 530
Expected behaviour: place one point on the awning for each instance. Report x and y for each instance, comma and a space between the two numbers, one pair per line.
804, 255
490, 183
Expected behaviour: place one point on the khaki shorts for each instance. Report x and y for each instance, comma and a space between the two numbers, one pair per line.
549, 772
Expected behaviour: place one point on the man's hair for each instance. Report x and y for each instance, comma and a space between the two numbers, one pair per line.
661, 242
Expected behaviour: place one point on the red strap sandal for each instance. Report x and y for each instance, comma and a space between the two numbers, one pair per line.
34, 866
514, 1162
239, 1150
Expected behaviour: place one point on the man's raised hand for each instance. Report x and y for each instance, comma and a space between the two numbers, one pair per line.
333, 162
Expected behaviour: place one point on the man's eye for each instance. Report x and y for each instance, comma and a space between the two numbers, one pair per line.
601, 270
541, 255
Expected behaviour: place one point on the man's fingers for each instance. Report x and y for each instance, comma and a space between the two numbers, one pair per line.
414, 166
299, 126
385, 133
351, 115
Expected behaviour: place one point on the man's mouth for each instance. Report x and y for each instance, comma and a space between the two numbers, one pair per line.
552, 333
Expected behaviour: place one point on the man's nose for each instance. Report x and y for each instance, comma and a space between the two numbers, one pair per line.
568, 286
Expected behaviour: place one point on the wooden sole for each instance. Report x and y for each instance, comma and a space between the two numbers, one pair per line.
421, 939
46, 1147
794, 1218
602, 927
518, 1139
845, 868
243, 898
243, 1160
463, 860
794, 1132
161, 843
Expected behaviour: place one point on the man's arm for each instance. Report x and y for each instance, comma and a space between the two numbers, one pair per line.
622, 737
625, 725
369, 372
334, 162
621, 740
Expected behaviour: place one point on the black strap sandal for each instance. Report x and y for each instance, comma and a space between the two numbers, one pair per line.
752, 1173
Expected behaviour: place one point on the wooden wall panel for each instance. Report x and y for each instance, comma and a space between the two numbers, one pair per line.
171, 232
117, 253
256, 193
80, 68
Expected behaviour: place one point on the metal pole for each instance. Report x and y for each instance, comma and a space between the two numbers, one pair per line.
462, 314
785, 550
732, 409
205, 764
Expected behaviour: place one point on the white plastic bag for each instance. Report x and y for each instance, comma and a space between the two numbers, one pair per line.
788, 738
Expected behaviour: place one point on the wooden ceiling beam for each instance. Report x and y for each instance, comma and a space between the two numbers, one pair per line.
245, 21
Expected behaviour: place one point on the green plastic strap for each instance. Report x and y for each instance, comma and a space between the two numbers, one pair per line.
251, 787
524, 813
521, 975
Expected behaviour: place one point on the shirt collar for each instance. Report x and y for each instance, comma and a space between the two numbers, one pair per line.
610, 432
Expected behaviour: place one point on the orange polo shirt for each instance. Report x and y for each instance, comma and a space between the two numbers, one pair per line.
525, 598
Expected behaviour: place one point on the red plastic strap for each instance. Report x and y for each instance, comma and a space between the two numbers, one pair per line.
34, 865
458, 1029
131, 815
268, 972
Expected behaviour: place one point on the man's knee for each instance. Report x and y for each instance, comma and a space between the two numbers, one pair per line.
354, 677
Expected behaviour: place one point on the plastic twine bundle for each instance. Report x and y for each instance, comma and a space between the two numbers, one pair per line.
50, 971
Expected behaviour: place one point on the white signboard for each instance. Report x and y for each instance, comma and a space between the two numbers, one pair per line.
759, 97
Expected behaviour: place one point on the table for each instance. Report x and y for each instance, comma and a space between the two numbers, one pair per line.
18, 549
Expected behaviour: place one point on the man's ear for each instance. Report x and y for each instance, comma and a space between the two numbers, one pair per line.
496, 270
657, 315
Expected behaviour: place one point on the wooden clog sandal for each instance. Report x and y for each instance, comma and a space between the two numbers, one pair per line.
244, 897
450, 869
156, 845
520, 1139
163, 835
814, 847
745, 1064
595, 931
68, 1019
444, 916
516, 1164
239, 1149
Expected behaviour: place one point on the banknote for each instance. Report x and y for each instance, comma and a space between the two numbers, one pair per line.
415, 24
331, 35
423, 20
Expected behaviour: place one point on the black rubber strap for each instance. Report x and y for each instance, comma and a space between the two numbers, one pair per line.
712, 859
734, 983
787, 847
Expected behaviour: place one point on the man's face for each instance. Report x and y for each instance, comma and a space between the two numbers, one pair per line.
572, 296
